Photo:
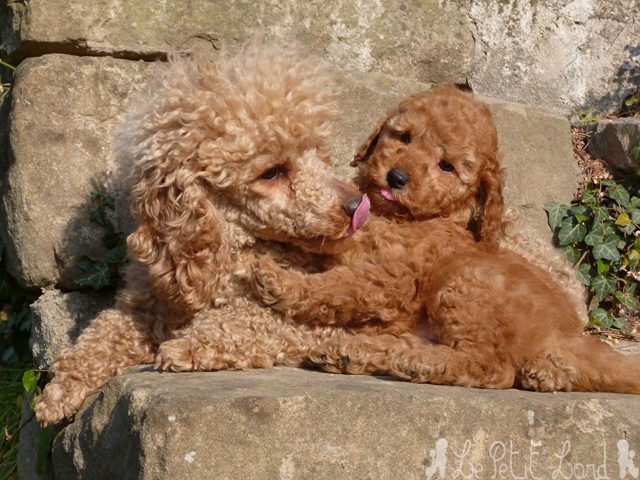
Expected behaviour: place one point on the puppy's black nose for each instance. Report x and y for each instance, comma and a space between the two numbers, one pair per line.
397, 178
351, 205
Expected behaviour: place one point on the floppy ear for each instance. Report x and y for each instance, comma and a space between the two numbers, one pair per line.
489, 223
367, 148
179, 238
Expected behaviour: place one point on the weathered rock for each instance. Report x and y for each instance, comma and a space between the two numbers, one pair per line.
65, 112
28, 448
288, 423
551, 54
613, 140
537, 157
58, 319
566, 55
419, 39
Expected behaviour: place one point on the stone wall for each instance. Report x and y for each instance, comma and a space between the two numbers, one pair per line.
81, 64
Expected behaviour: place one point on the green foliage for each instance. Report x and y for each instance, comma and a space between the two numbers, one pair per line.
15, 318
635, 149
600, 235
106, 272
4, 86
10, 405
588, 116
15, 327
633, 101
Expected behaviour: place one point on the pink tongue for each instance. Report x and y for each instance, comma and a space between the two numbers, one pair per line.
360, 215
388, 194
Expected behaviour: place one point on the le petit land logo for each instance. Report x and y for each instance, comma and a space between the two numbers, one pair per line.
507, 462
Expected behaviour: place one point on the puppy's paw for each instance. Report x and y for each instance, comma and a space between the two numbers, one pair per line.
546, 374
175, 356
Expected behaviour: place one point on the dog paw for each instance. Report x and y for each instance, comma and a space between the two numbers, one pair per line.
267, 283
175, 356
546, 374
56, 404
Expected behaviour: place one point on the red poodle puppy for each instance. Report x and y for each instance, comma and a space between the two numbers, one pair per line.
430, 265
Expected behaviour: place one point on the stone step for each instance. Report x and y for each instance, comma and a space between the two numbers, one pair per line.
555, 54
289, 423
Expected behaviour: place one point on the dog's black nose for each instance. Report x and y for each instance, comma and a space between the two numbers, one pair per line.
397, 178
351, 205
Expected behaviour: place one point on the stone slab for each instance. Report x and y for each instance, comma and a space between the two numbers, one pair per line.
419, 39
296, 424
612, 140
65, 111
64, 114
576, 55
59, 318
555, 54
538, 159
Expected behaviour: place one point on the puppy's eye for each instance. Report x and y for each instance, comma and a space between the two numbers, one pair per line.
273, 172
446, 166
405, 137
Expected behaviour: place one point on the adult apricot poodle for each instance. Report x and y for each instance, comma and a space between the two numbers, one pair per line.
230, 157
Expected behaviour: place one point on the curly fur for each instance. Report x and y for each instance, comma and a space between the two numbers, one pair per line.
422, 269
230, 157
446, 115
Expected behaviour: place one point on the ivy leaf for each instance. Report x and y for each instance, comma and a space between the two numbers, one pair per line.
556, 212
570, 233
602, 286
627, 300
635, 215
596, 235
571, 254
99, 216
580, 212
607, 182
117, 254
633, 259
635, 150
583, 274
601, 215
635, 202
620, 195
109, 202
607, 250
29, 381
96, 273
602, 266
628, 230
623, 219
590, 199
113, 240
616, 322
599, 317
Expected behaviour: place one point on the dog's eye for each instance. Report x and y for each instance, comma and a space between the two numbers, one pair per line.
405, 137
273, 172
446, 166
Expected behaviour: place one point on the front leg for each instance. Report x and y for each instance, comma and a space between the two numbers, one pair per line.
114, 341
342, 296
408, 357
231, 338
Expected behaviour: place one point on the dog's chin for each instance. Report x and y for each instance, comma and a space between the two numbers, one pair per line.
386, 205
